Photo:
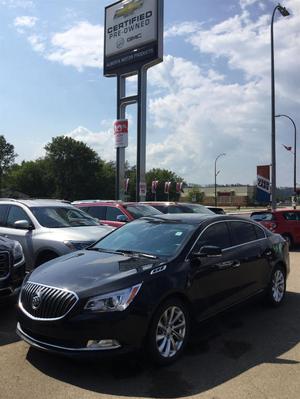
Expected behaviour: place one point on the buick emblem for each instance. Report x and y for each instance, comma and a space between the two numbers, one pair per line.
36, 300
120, 42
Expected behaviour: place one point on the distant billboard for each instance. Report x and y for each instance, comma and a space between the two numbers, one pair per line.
263, 186
133, 35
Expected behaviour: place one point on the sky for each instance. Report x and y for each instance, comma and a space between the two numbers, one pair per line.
210, 95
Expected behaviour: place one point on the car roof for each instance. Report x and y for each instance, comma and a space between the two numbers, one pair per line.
194, 218
30, 203
275, 211
107, 202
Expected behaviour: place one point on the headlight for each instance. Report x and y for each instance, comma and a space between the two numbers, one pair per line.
18, 253
113, 302
77, 245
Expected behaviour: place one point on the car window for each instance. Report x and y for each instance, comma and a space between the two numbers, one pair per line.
174, 209
98, 212
140, 210
216, 235
161, 208
242, 232
292, 216
58, 217
258, 217
113, 213
195, 208
16, 213
259, 232
3, 213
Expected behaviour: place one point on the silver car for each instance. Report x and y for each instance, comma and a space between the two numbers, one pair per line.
48, 228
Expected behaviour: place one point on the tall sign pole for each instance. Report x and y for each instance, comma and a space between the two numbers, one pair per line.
133, 42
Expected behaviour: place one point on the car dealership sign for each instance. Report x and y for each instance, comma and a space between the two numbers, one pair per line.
121, 133
133, 35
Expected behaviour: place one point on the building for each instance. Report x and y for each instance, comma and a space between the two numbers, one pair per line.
235, 195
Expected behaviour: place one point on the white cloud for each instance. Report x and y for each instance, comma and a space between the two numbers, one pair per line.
246, 3
37, 43
17, 3
80, 47
25, 21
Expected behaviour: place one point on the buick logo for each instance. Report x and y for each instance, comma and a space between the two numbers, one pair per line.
120, 42
36, 300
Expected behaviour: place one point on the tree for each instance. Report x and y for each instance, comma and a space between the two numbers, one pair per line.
162, 175
32, 178
74, 167
7, 157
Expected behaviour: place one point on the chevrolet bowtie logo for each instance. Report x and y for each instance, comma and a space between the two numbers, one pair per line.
128, 8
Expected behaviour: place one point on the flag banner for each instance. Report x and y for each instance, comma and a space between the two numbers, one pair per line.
154, 186
263, 185
167, 187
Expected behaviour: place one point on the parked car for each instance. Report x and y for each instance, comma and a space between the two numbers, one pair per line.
178, 207
47, 228
217, 210
115, 213
282, 221
12, 270
143, 284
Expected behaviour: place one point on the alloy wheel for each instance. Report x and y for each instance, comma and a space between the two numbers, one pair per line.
278, 286
171, 331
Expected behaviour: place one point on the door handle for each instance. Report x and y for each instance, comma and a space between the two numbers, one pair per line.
228, 264
236, 263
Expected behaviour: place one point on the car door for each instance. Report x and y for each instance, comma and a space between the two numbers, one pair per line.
291, 225
24, 236
215, 280
250, 248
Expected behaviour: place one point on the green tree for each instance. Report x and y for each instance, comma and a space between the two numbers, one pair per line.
7, 157
195, 195
74, 167
32, 178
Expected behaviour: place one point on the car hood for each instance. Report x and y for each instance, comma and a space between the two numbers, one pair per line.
82, 233
89, 271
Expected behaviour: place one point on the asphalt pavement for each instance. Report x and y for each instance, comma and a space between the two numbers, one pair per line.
251, 352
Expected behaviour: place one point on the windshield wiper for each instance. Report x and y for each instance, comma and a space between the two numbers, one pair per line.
107, 251
135, 253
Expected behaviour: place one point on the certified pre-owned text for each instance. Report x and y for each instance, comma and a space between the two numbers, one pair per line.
129, 25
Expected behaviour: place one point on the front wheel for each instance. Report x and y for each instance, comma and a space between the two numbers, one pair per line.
277, 286
169, 331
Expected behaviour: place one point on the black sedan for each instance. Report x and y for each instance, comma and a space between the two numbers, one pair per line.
143, 284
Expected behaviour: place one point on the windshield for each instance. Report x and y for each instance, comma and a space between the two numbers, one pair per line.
57, 217
138, 211
154, 237
196, 208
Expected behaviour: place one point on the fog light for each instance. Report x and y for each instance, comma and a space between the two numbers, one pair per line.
103, 344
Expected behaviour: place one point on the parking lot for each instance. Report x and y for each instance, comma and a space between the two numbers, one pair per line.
251, 352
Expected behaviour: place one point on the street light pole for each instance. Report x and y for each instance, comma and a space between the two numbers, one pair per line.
216, 174
284, 12
295, 149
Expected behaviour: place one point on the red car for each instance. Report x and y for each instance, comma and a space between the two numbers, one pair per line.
115, 213
282, 221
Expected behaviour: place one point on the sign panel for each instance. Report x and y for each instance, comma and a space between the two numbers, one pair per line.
143, 189
121, 133
263, 186
133, 35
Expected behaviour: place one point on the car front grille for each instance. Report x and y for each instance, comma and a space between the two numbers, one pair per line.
43, 302
4, 264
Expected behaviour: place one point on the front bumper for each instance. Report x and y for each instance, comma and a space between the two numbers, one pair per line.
70, 335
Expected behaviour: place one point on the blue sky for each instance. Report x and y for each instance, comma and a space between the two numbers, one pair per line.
210, 95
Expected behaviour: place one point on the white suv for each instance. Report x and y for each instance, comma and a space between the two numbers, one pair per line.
48, 228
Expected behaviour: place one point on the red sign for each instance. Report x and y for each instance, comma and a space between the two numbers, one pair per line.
143, 189
121, 133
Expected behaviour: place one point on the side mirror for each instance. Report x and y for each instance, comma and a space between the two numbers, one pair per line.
22, 225
122, 218
208, 251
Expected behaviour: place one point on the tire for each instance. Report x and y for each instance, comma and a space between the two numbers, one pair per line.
277, 287
169, 331
288, 239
